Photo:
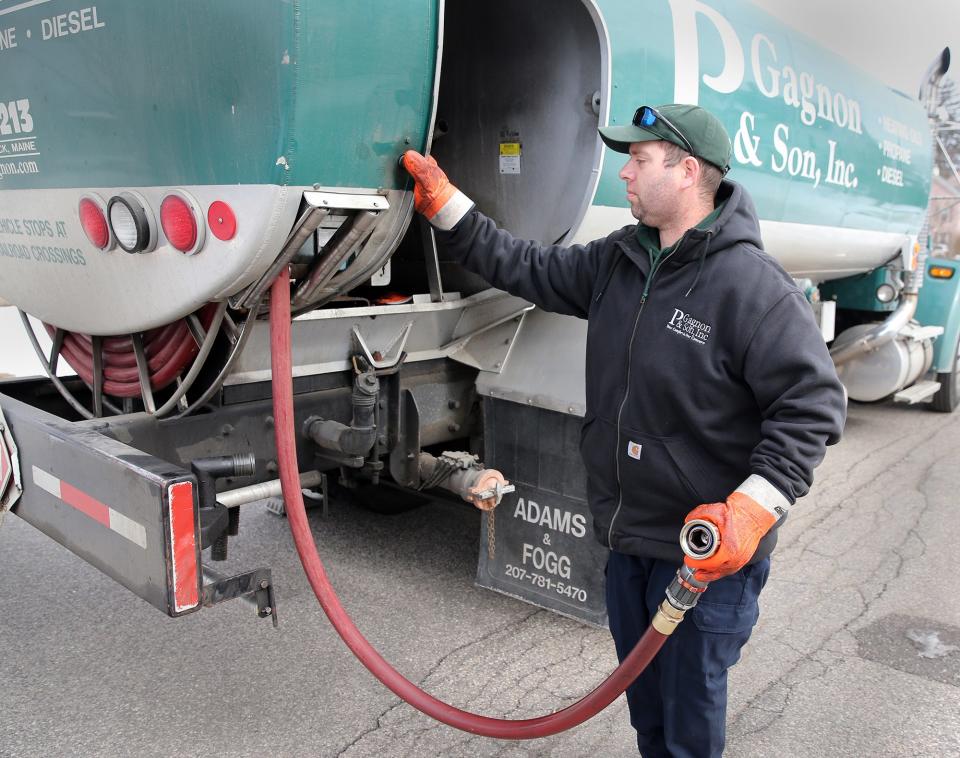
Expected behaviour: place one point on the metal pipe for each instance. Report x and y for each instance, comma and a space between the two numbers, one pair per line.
930, 85
52, 374
306, 225
213, 516
347, 440
336, 251
462, 474
264, 490
143, 369
206, 345
881, 334
358, 438
238, 344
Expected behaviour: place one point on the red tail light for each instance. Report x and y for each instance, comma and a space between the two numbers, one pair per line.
94, 223
179, 222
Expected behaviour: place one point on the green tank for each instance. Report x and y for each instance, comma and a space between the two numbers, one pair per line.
240, 102
252, 104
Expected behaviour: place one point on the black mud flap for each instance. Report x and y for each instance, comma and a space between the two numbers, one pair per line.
131, 515
541, 548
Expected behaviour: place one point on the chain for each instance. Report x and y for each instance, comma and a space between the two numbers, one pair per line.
491, 534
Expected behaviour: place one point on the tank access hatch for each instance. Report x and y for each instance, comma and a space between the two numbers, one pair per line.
518, 108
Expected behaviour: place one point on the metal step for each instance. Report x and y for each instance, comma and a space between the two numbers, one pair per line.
921, 392
920, 333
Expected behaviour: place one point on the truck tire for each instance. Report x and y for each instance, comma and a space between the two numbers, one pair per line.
948, 396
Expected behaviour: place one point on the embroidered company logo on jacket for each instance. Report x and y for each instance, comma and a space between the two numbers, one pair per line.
687, 326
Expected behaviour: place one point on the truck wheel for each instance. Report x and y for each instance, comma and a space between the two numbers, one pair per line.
948, 396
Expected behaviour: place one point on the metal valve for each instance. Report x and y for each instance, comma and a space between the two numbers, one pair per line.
464, 474
699, 539
491, 493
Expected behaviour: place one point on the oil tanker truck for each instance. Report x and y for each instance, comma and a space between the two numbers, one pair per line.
161, 164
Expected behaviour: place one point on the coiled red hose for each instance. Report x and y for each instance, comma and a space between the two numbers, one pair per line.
168, 349
504, 729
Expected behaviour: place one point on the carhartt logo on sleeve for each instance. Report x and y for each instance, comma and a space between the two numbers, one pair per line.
687, 326
634, 449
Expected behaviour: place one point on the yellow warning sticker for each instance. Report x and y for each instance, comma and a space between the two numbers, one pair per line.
510, 148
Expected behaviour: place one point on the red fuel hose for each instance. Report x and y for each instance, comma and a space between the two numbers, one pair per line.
168, 349
504, 729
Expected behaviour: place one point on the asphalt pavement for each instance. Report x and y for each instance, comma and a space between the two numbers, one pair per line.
857, 651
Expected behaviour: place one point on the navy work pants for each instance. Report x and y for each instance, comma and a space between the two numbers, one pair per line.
678, 705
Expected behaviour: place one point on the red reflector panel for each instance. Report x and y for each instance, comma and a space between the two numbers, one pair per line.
183, 544
221, 221
179, 225
94, 224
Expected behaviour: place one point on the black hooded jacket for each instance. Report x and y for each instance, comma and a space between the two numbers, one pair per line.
700, 372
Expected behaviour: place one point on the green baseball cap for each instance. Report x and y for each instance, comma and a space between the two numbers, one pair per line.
691, 127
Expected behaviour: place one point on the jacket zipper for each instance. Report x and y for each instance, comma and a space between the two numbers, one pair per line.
626, 390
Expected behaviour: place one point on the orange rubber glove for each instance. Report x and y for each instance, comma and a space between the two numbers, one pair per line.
742, 522
442, 203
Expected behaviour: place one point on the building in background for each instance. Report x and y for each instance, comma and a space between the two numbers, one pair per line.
945, 216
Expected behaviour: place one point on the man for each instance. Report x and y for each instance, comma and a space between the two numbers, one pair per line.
707, 381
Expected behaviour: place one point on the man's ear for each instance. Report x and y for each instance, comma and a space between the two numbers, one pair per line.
691, 171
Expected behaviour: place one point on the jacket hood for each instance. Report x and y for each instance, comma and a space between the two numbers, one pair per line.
736, 225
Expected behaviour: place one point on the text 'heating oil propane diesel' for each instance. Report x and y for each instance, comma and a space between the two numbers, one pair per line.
202, 217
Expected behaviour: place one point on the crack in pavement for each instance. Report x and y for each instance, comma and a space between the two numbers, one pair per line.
433, 669
524, 683
791, 679
846, 476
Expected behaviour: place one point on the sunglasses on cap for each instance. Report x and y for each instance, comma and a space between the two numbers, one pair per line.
646, 117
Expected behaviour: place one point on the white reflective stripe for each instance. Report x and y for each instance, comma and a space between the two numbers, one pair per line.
46, 481
765, 495
450, 214
128, 528
122, 525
